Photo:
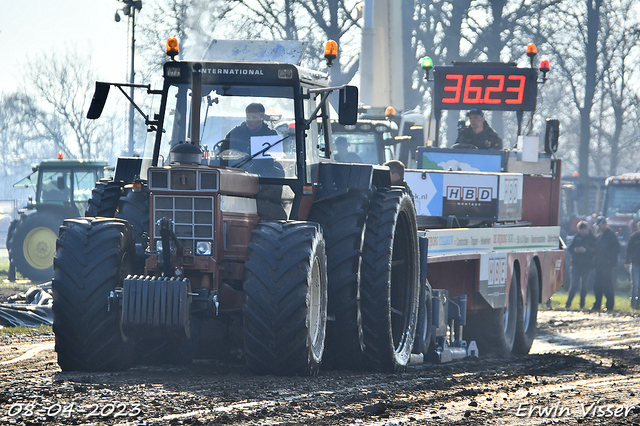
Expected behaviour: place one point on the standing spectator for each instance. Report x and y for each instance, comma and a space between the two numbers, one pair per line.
633, 262
607, 249
582, 249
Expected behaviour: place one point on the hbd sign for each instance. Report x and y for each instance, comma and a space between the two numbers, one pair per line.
472, 196
467, 193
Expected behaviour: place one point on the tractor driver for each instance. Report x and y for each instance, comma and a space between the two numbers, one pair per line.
479, 134
239, 138
342, 154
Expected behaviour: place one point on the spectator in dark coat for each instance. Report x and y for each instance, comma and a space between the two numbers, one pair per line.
582, 249
396, 168
633, 263
607, 249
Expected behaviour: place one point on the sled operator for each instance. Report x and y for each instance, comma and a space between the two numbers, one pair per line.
479, 134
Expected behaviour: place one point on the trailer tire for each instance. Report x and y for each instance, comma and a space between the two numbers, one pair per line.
104, 198
33, 244
390, 285
285, 309
93, 256
343, 222
133, 206
494, 330
528, 314
425, 339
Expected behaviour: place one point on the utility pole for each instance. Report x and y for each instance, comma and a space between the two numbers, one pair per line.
130, 10
381, 61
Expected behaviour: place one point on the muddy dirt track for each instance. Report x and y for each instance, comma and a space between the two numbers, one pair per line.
584, 369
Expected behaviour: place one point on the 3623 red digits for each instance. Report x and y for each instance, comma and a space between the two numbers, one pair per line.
491, 89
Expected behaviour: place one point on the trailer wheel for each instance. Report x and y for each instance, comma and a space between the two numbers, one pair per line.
390, 285
33, 245
342, 222
285, 309
104, 198
93, 256
425, 339
134, 208
494, 330
527, 314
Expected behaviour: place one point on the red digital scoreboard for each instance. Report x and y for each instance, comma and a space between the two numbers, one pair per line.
505, 88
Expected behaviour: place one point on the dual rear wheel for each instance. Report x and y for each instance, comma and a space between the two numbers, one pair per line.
510, 330
371, 273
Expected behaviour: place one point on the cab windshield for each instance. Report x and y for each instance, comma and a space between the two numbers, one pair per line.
234, 131
622, 199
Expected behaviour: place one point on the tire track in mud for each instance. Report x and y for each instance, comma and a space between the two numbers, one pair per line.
30, 353
579, 358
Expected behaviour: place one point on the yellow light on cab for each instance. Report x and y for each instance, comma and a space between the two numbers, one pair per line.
390, 111
532, 50
60, 155
330, 51
172, 47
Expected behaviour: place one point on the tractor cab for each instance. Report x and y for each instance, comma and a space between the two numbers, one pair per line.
214, 104
63, 184
62, 190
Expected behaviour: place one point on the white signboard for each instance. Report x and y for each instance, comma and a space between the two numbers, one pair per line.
482, 240
258, 143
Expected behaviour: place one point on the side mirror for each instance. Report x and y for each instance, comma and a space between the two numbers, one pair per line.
348, 105
98, 101
551, 136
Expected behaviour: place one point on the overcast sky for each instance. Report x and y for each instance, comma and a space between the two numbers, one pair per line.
29, 28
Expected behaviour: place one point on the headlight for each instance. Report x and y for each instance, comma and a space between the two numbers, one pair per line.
203, 248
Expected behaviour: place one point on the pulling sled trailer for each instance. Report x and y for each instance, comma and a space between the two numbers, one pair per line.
490, 218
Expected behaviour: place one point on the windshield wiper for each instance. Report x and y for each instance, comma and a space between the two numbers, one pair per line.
262, 151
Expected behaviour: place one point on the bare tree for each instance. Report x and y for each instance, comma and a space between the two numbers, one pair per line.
19, 138
620, 49
193, 22
62, 86
594, 48
466, 30
197, 22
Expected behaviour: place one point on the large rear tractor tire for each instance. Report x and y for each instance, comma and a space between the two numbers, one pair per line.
494, 330
342, 222
134, 208
527, 324
104, 198
33, 245
285, 310
92, 258
390, 285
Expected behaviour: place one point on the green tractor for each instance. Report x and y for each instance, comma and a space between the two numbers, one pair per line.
63, 189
